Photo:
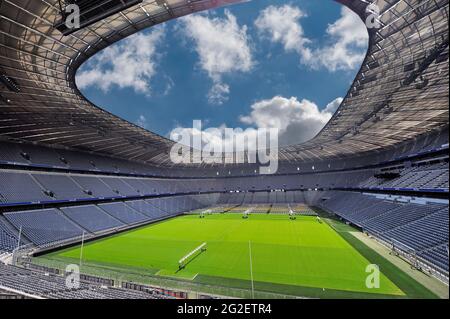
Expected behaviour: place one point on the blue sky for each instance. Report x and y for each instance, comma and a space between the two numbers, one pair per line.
261, 63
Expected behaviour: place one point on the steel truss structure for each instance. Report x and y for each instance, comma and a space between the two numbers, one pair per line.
399, 94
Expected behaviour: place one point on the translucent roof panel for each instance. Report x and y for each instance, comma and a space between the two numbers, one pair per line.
400, 92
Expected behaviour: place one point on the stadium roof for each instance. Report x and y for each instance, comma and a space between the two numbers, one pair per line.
400, 92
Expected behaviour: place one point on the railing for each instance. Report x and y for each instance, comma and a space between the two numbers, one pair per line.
411, 256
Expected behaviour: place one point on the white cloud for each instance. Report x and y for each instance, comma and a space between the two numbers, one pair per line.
218, 94
282, 25
169, 86
333, 105
223, 48
214, 136
129, 64
347, 38
298, 121
142, 121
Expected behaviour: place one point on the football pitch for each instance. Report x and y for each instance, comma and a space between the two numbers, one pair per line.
269, 252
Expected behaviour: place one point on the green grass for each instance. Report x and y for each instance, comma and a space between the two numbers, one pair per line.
301, 257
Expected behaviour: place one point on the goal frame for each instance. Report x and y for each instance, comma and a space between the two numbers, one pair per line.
191, 255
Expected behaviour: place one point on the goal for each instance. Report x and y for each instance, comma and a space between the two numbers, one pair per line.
246, 214
193, 254
204, 213
292, 215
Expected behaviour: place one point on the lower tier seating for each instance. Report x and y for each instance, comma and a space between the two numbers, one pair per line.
91, 218
47, 227
8, 240
51, 286
44, 226
124, 213
418, 228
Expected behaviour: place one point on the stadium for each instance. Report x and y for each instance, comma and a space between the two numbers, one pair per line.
93, 207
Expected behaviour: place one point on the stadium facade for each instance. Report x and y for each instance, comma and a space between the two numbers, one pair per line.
70, 170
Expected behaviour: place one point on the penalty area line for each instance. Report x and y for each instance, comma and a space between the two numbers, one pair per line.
164, 273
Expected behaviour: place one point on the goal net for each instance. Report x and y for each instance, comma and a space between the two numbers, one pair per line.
189, 257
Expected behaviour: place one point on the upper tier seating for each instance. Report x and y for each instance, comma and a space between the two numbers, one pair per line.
423, 176
22, 187
62, 186
119, 186
19, 188
11, 153
42, 156
46, 157
95, 186
142, 187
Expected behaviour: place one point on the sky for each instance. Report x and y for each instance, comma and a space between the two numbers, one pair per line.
258, 64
